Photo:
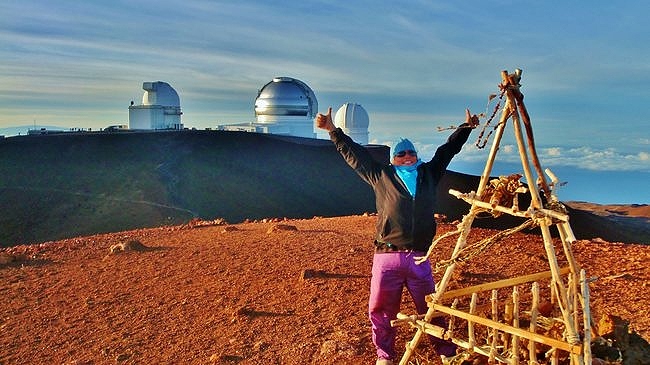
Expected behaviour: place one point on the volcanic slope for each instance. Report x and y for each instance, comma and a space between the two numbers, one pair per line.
265, 292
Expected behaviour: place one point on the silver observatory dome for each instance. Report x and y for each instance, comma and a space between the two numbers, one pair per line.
287, 104
286, 96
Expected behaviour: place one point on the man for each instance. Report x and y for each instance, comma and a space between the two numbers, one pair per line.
405, 196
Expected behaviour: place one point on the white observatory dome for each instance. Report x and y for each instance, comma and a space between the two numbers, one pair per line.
289, 105
354, 121
160, 93
160, 109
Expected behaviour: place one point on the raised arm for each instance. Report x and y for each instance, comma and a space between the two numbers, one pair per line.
454, 143
354, 154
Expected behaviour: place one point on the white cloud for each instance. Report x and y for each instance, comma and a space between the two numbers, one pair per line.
597, 159
585, 157
644, 156
554, 151
508, 149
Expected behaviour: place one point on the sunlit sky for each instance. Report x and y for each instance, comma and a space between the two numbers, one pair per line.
412, 65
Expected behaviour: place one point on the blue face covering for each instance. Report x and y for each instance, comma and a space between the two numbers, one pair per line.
409, 175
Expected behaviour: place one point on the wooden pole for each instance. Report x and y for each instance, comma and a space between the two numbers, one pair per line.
566, 238
502, 283
532, 348
508, 317
563, 299
452, 320
519, 98
473, 198
470, 324
532, 186
586, 315
557, 283
515, 323
573, 298
495, 332
555, 356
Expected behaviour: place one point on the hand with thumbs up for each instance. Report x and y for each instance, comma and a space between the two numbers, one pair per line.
324, 121
471, 119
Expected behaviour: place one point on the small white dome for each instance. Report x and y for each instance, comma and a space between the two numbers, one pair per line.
354, 121
351, 115
160, 93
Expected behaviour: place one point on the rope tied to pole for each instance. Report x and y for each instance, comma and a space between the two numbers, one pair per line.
472, 250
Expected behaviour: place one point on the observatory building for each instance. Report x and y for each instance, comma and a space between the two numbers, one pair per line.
284, 106
287, 106
160, 109
353, 120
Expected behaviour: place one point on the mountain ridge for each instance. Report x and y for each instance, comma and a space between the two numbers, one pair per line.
76, 184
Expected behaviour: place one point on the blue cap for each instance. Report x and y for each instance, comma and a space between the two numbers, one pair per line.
402, 144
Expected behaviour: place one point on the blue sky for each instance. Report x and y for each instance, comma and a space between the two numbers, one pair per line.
413, 66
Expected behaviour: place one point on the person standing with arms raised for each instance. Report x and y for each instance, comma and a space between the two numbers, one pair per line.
405, 196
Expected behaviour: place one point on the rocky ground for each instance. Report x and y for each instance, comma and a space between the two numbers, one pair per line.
289, 292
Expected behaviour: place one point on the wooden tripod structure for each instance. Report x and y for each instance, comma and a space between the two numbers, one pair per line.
569, 287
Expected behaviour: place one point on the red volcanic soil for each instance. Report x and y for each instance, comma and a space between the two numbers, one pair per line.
276, 292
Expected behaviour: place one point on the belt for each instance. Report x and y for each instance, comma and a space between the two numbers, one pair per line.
389, 247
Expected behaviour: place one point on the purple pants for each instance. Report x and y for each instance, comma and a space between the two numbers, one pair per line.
392, 271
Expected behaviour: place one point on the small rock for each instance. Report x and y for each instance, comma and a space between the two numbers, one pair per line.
309, 274
6, 258
328, 347
122, 357
260, 346
131, 245
243, 311
281, 227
